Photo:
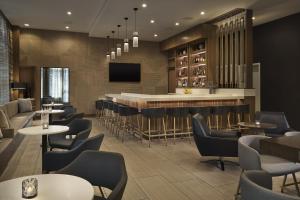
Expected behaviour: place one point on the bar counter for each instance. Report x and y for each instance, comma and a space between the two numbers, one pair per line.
141, 101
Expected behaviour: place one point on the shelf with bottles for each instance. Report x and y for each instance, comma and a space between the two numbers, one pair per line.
198, 47
182, 53
182, 72
182, 82
198, 81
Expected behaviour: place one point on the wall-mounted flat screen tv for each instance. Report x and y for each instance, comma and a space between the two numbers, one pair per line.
124, 72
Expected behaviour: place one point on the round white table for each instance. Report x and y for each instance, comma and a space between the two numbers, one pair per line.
50, 187
38, 130
52, 104
50, 112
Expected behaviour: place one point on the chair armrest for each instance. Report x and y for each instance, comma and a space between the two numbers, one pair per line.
8, 132
225, 134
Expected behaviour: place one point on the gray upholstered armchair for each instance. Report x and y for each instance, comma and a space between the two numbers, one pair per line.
277, 118
55, 160
102, 169
79, 128
214, 143
258, 185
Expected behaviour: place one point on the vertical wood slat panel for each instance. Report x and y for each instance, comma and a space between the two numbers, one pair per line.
221, 55
231, 61
234, 54
242, 54
226, 55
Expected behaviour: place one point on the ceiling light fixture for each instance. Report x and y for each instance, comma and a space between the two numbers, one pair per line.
26, 25
119, 47
177, 23
135, 38
202, 13
126, 41
144, 4
69, 13
253, 18
107, 52
67, 27
113, 53
152, 21
155, 35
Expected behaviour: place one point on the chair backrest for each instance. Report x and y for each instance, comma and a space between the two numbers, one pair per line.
81, 128
292, 133
258, 185
99, 104
154, 112
204, 111
277, 118
106, 169
200, 128
248, 151
55, 160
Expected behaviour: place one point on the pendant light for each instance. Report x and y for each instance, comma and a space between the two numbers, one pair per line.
119, 46
135, 38
126, 41
113, 52
107, 52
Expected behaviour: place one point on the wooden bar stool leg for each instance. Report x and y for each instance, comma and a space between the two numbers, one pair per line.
217, 121
188, 129
209, 122
228, 121
174, 129
149, 131
165, 132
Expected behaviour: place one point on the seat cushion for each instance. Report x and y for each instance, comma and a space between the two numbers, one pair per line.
60, 141
21, 120
24, 105
278, 166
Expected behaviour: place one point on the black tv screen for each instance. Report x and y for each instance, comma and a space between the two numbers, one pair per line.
124, 72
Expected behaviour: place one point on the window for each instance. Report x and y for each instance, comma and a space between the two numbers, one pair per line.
55, 84
4, 61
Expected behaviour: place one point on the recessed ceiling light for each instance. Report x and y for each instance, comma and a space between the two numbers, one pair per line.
69, 13
152, 21
177, 23
144, 5
67, 27
26, 25
202, 13
155, 35
253, 18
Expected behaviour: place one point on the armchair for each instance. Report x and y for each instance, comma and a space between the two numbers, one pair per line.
214, 143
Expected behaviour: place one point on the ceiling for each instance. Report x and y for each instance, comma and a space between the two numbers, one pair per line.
99, 17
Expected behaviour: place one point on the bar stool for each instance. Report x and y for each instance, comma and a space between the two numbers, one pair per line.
105, 112
241, 111
99, 108
123, 114
221, 111
153, 114
204, 111
115, 119
179, 114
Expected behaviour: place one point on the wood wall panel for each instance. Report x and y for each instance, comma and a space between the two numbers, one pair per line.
85, 56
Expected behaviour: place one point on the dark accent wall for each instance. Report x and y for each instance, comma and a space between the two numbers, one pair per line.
277, 48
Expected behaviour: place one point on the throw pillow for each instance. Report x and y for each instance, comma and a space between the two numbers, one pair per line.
1, 135
25, 105
4, 123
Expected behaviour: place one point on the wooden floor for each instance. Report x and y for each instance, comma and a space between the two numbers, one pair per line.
175, 172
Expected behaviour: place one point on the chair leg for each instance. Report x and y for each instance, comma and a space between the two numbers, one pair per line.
239, 186
283, 183
222, 164
296, 184
101, 191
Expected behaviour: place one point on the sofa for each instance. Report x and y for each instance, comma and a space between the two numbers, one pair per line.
15, 115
